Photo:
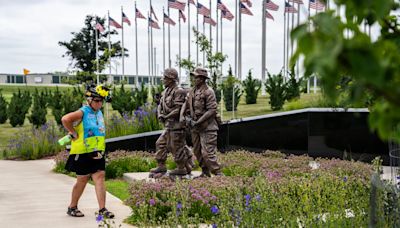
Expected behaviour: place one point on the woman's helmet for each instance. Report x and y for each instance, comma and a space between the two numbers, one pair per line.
99, 91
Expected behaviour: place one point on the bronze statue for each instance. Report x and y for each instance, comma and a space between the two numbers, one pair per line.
200, 112
173, 137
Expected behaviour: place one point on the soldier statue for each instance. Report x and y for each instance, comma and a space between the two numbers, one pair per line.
200, 114
173, 137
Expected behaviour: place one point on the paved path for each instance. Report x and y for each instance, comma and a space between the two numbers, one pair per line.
31, 195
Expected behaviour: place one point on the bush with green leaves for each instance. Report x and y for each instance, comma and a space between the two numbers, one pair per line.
141, 94
251, 88
123, 101
3, 106
39, 110
156, 93
293, 87
19, 107
276, 88
230, 88
56, 105
72, 100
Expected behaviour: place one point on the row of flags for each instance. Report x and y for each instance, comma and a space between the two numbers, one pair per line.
203, 10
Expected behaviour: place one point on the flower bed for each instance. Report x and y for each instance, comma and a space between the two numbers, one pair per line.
260, 190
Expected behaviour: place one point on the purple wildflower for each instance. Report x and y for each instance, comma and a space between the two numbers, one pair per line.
214, 210
214, 225
345, 179
248, 198
179, 206
152, 202
99, 218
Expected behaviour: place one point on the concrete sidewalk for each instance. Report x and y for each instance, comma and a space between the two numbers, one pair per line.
31, 195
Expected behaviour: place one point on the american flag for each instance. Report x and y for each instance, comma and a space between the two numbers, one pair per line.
289, 8
182, 15
153, 24
316, 4
168, 20
192, 2
175, 4
268, 15
248, 2
202, 10
153, 13
125, 19
139, 14
114, 23
245, 10
221, 6
297, 1
271, 6
209, 20
99, 27
227, 15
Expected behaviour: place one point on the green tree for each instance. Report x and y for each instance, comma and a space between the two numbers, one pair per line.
3, 106
276, 89
251, 87
123, 101
372, 64
230, 88
56, 105
293, 87
39, 110
19, 107
82, 47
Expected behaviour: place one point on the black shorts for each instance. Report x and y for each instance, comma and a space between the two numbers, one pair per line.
84, 164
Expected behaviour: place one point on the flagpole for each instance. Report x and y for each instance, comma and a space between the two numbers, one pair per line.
236, 37
217, 27
163, 29
210, 29
291, 40
309, 29
297, 61
97, 54
204, 33
188, 30
180, 75
263, 38
284, 37
197, 28
109, 46
315, 76
169, 42
221, 47
287, 45
136, 43
123, 49
240, 46
149, 46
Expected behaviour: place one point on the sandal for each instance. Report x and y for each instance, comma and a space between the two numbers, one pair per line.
106, 213
74, 212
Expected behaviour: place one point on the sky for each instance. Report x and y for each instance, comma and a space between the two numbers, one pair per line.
31, 30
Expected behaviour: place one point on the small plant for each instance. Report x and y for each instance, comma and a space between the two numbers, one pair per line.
39, 110
3, 106
19, 107
275, 86
123, 101
293, 87
231, 88
251, 88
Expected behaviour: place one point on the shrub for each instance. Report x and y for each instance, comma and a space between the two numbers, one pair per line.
123, 101
39, 110
3, 106
19, 107
230, 89
293, 87
251, 88
56, 105
276, 89
156, 93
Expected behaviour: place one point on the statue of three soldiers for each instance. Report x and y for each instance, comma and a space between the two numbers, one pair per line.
196, 110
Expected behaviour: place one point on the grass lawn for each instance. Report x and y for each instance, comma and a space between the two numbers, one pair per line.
118, 188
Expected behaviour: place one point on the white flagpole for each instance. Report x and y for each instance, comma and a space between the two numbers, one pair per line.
263, 38
210, 28
163, 31
297, 61
188, 29
287, 46
240, 46
97, 54
284, 38
149, 46
236, 37
197, 28
169, 43
309, 29
136, 43
109, 46
216, 28
180, 75
204, 33
122, 41
221, 47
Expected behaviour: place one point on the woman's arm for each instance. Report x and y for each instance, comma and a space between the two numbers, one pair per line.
69, 119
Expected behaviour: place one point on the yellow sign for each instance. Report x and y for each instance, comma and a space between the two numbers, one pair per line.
26, 71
